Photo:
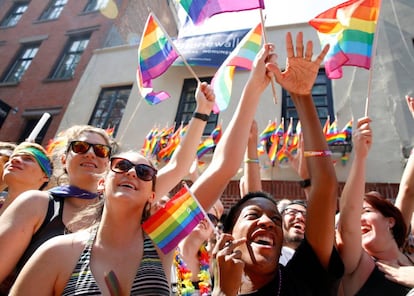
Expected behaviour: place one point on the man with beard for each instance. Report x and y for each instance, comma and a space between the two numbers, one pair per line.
293, 225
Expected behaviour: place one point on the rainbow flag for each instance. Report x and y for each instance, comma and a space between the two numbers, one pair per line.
268, 131
242, 56
155, 56
338, 137
200, 10
205, 146
348, 127
170, 224
349, 28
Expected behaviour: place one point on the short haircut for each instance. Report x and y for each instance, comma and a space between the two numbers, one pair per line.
236, 209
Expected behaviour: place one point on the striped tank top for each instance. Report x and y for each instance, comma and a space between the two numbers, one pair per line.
149, 280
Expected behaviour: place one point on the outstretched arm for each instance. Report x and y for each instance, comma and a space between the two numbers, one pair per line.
232, 145
298, 79
405, 198
251, 180
179, 165
349, 227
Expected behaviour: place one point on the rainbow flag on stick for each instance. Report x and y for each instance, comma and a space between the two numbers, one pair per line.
349, 28
170, 224
200, 10
155, 56
242, 56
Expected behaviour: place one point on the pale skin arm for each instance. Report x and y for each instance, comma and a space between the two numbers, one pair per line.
47, 271
405, 197
349, 226
251, 180
17, 225
231, 147
298, 79
179, 165
403, 275
298, 163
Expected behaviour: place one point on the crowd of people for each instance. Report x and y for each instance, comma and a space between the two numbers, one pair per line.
71, 217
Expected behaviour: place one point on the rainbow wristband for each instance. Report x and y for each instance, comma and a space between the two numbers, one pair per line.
317, 153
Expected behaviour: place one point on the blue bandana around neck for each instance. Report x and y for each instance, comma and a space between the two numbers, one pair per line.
72, 191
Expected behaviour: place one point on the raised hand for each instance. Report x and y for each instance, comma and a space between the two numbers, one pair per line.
301, 71
205, 98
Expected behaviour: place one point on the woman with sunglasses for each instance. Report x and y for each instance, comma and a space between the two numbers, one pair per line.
85, 158
27, 168
120, 245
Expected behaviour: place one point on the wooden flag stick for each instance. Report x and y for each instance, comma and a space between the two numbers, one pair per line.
272, 82
176, 49
373, 52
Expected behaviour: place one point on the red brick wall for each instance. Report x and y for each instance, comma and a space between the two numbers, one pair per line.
292, 190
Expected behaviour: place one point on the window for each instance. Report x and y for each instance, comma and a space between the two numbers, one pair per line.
14, 15
21, 63
188, 104
53, 10
93, 5
322, 96
70, 58
30, 125
110, 108
4, 111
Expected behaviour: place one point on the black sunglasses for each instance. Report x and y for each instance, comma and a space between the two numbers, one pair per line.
144, 172
213, 219
81, 147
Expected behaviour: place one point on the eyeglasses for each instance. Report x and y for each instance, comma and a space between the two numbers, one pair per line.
144, 172
293, 212
213, 219
81, 147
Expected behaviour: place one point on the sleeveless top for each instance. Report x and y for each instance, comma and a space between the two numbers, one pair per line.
52, 226
378, 284
150, 278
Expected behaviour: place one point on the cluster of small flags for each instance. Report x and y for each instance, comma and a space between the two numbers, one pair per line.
160, 143
278, 143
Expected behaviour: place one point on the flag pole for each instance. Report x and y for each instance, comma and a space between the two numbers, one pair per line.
175, 48
202, 209
272, 82
373, 52
40, 124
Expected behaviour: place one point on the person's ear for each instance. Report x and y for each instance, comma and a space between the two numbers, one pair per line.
101, 185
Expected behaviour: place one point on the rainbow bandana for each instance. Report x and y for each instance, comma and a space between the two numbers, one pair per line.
40, 157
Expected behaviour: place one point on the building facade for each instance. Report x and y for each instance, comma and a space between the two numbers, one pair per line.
45, 47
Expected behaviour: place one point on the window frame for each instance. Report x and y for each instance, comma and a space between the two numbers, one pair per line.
58, 72
187, 105
92, 6
109, 108
18, 60
329, 101
322, 79
14, 14
53, 10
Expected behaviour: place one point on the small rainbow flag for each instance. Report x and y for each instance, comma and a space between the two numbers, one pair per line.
170, 224
242, 56
200, 10
349, 28
268, 131
205, 146
155, 56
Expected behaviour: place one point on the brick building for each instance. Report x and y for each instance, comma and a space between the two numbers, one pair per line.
45, 47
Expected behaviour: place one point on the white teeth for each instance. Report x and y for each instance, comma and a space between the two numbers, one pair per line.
263, 240
128, 185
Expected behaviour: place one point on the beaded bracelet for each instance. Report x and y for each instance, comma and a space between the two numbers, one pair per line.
248, 160
317, 153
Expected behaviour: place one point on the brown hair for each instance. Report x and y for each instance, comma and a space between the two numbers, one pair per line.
388, 210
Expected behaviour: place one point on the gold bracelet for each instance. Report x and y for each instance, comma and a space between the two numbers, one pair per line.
248, 160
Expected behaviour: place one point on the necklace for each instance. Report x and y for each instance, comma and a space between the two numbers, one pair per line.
184, 283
